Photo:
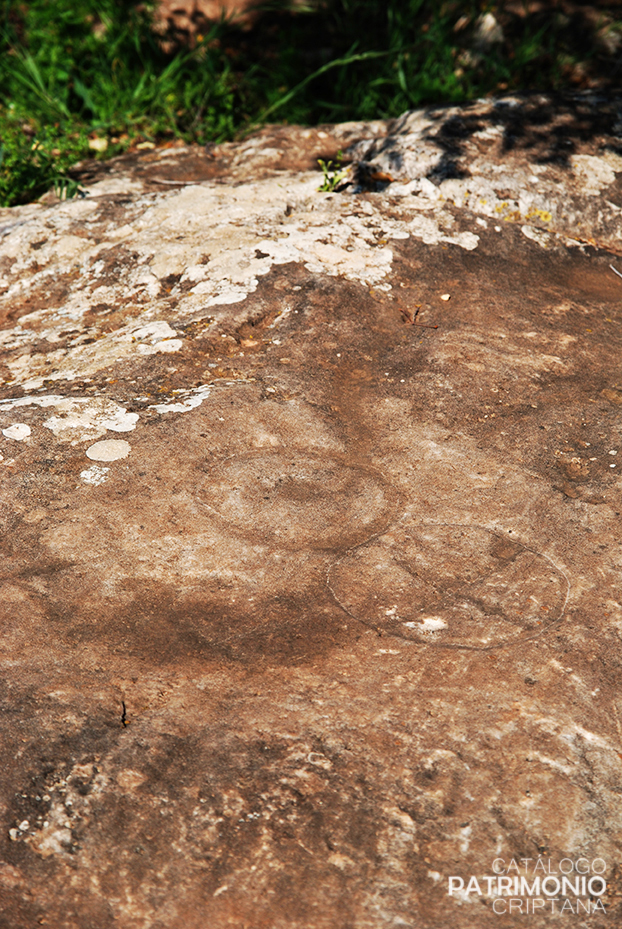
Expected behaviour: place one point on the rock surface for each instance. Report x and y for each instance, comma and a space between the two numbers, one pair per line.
311, 530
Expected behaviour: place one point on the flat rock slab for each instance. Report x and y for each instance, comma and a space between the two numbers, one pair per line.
311, 531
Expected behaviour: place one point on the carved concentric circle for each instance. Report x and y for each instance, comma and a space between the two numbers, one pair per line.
451, 585
298, 500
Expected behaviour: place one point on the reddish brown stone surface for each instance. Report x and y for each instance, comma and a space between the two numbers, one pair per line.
334, 613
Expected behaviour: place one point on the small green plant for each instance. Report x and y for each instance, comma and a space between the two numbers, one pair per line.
33, 161
334, 173
74, 71
66, 188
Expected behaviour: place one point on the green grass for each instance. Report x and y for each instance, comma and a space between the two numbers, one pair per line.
77, 74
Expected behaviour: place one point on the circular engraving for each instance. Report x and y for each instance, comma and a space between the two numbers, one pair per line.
298, 500
450, 585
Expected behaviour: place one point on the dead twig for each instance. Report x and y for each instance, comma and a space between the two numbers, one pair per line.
163, 180
410, 319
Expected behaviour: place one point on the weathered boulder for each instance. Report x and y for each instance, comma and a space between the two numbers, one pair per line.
310, 530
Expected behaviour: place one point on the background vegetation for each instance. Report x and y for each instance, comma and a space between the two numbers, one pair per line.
95, 77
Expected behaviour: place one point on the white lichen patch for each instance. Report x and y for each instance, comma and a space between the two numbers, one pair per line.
428, 229
18, 431
208, 244
431, 624
81, 418
537, 235
151, 334
155, 337
595, 173
193, 399
44, 241
83, 360
12, 403
220, 240
109, 450
239, 233
95, 475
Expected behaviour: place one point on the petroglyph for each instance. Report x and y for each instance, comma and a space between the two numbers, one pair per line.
459, 586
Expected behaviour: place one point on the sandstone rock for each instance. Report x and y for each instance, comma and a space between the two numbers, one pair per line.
310, 586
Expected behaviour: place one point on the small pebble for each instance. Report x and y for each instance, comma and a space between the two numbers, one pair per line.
445, 296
